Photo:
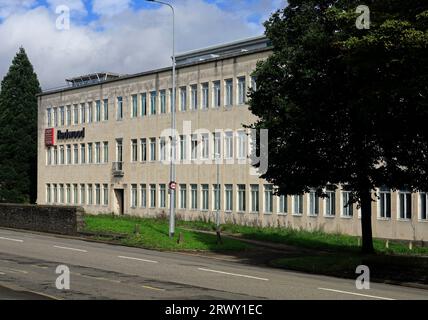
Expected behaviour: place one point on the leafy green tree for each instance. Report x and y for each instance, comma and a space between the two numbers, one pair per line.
345, 105
18, 132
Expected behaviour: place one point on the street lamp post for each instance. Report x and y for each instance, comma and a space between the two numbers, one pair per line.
172, 185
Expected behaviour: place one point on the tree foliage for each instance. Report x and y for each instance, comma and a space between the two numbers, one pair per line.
18, 132
344, 105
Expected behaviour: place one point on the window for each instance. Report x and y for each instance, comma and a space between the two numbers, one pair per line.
55, 193
134, 150
105, 152
405, 204
90, 158
229, 92
153, 102
205, 195
119, 114
62, 116
134, 112
183, 98
162, 148
97, 194
163, 101
143, 190
55, 149
68, 194
90, 115
242, 145
183, 153
347, 207
133, 196
68, 154
152, 149
330, 207
68, 115
75, 194
283, 204
217, 145
205, 95
228, 196
229, 144
98, 152
183, 196
254, 198
90, 194
423, 210
241, 198
162, 190
82, 113
143, 104
298, 204
216, 94
49, 116
268, 198
48, 193
205, 145
194, 146
105, 194
385, 203
76, 154
194, 97
216, 196
254, 83
82, 194
313, 203
98, 111
152, 196
61, 155
55, 117
76, 114
82, 153
119, 152
105, 109
194, 196
49, 156
242, 90
143, 149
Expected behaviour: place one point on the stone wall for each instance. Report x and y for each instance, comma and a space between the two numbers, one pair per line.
52, 219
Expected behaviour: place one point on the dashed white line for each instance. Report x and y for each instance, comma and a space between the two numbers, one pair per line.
137, 259
2, 273
233, 274
10, 239
72, 249
356, 294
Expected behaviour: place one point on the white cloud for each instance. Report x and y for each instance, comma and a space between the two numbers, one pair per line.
74, 5
9, 7
110, 7
128, 42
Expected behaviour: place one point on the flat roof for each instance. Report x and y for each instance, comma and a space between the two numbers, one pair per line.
228, 50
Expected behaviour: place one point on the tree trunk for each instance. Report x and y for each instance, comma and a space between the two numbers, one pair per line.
366, 221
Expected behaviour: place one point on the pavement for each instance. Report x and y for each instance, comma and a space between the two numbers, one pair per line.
28, 263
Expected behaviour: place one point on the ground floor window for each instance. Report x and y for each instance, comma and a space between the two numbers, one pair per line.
162, 191
152, 196
298, 204
268, 198
133, 196
228, 197
183, 196
423, 209
241, 198
405, 204
254, 198
194, 196
205, 193
143, 191
385, 203
347, 207
313, 203
105, 194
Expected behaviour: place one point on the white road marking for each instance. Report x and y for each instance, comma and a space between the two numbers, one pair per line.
72, 249
2, 273
137, 259
10, 239
356, 294
153, 288
233, 274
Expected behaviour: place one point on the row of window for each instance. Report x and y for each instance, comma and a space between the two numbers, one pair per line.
203, 146
77, 194
194, 97
78, 154
197, 197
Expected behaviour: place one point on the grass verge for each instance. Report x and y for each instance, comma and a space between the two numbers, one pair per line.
154, 234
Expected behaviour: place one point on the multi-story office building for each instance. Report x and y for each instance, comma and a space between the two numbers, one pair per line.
104, 145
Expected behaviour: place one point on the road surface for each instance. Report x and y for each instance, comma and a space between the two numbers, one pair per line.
102, 271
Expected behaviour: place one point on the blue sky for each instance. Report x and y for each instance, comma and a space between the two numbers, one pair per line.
123, 36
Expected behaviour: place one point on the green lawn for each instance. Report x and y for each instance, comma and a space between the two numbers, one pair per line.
154, 234
306, 239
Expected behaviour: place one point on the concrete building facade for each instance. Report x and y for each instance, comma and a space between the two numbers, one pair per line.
103, 144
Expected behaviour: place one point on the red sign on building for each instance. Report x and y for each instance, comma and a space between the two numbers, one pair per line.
49, 137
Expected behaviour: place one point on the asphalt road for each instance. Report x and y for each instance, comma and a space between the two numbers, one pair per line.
28, 263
